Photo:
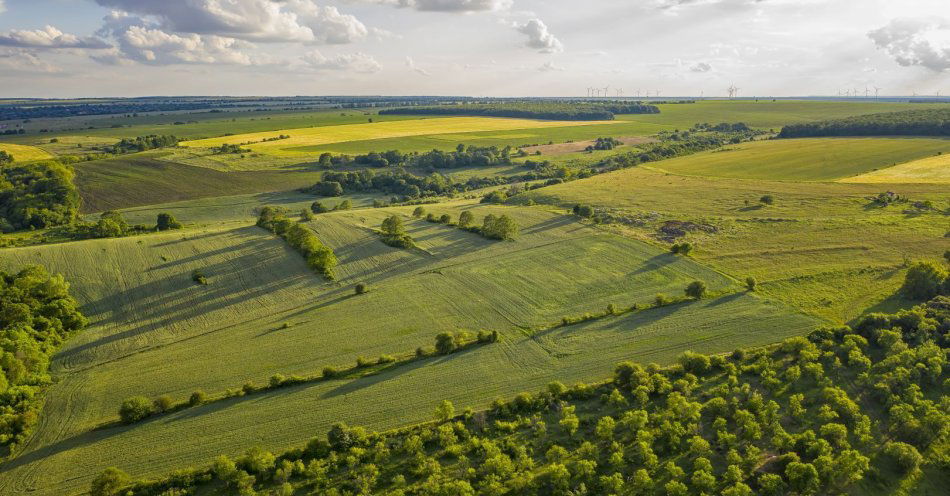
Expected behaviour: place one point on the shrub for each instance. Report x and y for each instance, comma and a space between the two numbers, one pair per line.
197, 398
384, 359
445, 411
444, 343
696, 289
661, 300
166, 221
330, 372
924, 280
163, 403
318, 208
360, 289
198, 277
418, 212
445, 219
767, 199
109, 482
694, 363
903, 455
750, 283
683, 248
306, 215
135, 409
466, 218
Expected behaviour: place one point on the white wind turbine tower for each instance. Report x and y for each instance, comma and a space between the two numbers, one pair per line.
605, 90
867, 92
876, 91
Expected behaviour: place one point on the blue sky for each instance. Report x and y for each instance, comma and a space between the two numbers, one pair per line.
65, 48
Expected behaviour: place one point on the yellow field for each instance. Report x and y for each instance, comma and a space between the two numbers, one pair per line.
934, 169
24, 153
324, 135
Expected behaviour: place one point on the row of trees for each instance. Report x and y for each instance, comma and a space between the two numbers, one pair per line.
402, 183
493, 227
320, 257
533, 110
37, 315
789, 419
927, 122
462, 156
142, 143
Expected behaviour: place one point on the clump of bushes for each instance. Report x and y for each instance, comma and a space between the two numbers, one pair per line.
198, 277
394, 233
683, 248
320, 257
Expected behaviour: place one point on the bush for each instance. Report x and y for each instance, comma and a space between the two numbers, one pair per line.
318, 208
166, 221
696, 289
767, 199
360, 289
163, 403
109, 482
924, 280
198, 277
444, 343
330, 372
683, 248
903, 455
418, 212
197, 398
750, 283
135, 409
661, 300
466, 218
445, 219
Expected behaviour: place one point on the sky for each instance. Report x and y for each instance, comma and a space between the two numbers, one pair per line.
90, 48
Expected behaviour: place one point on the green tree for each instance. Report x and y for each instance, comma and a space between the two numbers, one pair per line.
803, 478
392, 226
750, 283
360, 289
924, 280
767, 199
109, 482
418, 212
445, 411
444, 343
696, 289
134, 409
166, 221
466, 218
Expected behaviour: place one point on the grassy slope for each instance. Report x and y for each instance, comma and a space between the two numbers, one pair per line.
147, 315
926, 170
820, 247
143, 179
813, 159
24, 153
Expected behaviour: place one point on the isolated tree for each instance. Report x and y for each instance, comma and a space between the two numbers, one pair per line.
318, 208
696, 289
418, 212
445, 219
360, 289
750, 283
166, 221
924, 280
109, 482
392, 226
466, 218
767, 199
444, 343
134, 409
306, 215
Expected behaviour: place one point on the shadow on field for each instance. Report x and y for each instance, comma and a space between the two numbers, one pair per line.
552, 223
655, 262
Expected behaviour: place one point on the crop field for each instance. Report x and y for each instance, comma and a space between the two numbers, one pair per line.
24, 153
807, 159
147, 313
811, 248
926, 170
358, 132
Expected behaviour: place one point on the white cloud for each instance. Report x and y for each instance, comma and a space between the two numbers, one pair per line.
539, 37
915, 42
700, 67
22, 61
150, 45
355, 62
550, 67
459, 6
3, 7
411, 64
48, 37
254, 20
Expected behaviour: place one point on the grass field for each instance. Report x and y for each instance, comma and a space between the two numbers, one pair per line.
809, 159
926, 170
24, 153
147, 314
358, 132
145, 179
822, 247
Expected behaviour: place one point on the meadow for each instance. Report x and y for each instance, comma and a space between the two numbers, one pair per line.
807, 159
934, 170
147, 313
24, 153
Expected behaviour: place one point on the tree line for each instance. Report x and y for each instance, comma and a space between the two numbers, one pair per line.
141, 143
500, 227
462, 156
841, 410
926, 122
320, 257
37, 315
533, 110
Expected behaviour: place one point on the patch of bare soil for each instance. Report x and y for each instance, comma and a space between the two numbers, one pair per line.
672, 229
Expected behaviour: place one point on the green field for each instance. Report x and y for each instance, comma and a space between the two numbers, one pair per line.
147, 314
24, 153
821, 246
808, 159
934, 170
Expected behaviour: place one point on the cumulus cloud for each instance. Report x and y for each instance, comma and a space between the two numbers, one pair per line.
48, 37
458, 6
700, 67
3, 7
915, 42
539, 37
411, 64
253, 20
354, 62
17, 60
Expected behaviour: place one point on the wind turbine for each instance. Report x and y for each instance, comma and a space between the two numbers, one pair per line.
605, 90
876, 91
658, 93
867, 92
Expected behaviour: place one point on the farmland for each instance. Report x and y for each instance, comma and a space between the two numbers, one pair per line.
827, 228
24, 153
